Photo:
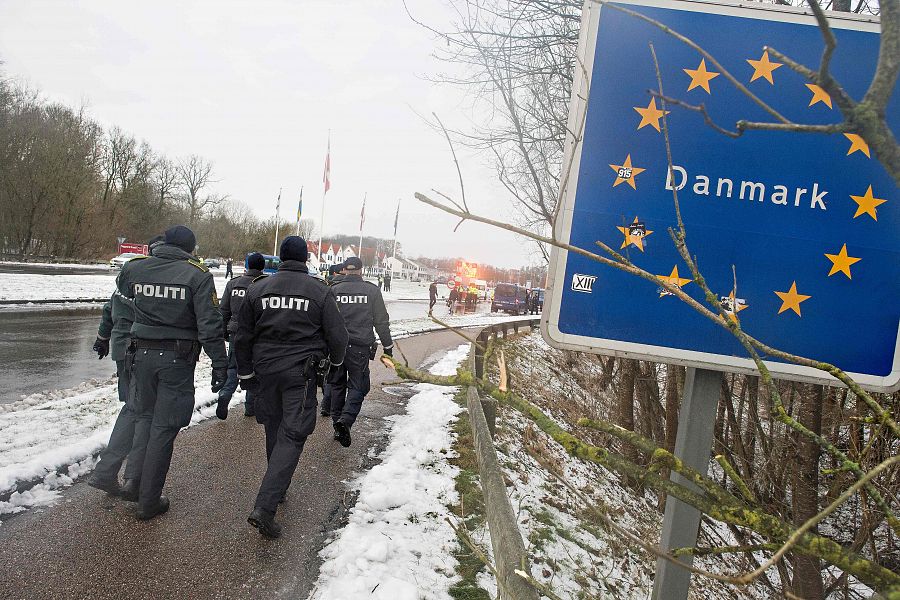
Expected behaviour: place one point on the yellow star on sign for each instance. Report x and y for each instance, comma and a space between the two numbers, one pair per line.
841, 262
732, 306
634, 234
763, 68
857, 143
650, 115
819, 95
673, 279
791, 300
700, 77
626, 173
867, 203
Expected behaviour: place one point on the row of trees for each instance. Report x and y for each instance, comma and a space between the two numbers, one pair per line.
69, 187
517, 58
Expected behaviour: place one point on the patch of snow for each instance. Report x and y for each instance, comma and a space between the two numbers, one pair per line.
42, 286
48, 440
397, 545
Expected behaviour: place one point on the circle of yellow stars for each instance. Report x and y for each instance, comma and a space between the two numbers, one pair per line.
700, 78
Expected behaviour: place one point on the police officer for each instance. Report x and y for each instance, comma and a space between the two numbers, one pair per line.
289, 323
334, 276
232, 299
125, 440
363, 308
176, 312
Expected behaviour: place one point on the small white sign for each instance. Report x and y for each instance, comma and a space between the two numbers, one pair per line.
583, 283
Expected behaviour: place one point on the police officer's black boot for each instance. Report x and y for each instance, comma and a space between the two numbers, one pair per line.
130, 490
342, 433
265, 522
145, 513
110, 486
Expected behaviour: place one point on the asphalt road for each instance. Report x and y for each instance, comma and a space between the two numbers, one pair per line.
51, 350
90, 546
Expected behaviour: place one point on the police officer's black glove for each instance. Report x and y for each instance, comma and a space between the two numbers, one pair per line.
249, 384
219, 377
222, 407
389, 351
101, 347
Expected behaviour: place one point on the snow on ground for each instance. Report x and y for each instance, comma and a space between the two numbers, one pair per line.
62, 286
47, 440
556, 496
98, 266
397, 544
42, 286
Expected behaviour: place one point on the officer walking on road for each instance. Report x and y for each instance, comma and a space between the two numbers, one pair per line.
432, 297
363, 309
334, 276
232, 299
289, 323
125, 440
176, 312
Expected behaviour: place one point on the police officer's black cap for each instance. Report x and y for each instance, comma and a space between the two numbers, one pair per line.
181, 236
336, 268
155, 240
293, 248
257, 261
353, 264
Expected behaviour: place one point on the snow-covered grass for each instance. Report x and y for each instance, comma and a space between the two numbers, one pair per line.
103, 266
560, 499
397, 544
41, 286
49, 439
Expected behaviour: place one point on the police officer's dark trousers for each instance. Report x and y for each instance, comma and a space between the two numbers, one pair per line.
231, 383
164, 402
128, 437
349, 385
286, 406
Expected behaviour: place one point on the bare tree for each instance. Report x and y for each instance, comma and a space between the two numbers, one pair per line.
196, 175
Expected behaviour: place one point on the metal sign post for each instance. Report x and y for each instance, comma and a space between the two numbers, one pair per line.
696, 422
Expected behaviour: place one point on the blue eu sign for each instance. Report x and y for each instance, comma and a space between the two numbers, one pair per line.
798, 234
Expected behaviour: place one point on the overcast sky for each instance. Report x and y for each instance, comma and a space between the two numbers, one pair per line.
255, 86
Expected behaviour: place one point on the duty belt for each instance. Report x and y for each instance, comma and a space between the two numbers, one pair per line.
155, 344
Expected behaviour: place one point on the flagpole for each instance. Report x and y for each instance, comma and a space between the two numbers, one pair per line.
396, 217
277, 211
326, 180
299, 211
362, 219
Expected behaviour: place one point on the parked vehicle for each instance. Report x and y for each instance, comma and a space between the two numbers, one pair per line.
117, 262
212, 263
272, 263
509, 298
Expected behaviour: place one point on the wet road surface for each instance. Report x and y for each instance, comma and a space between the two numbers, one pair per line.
89, 545
48, 350
51, 350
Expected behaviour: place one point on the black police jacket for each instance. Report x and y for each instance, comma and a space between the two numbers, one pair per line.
286, 318
174, 298
363, 308
233, 298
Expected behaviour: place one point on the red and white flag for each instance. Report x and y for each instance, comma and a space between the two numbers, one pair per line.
326, 177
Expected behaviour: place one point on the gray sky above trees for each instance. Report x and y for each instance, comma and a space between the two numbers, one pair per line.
254, 88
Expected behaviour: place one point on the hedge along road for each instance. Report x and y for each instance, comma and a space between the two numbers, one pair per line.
89, 545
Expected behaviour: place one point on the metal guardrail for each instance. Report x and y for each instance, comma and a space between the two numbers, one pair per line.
506, 539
